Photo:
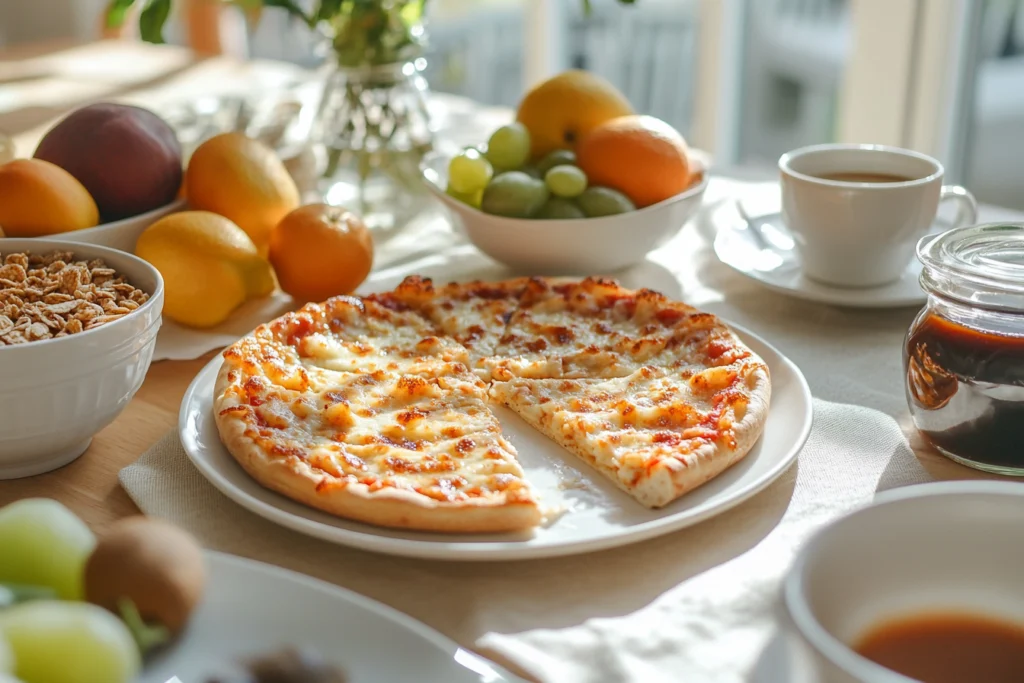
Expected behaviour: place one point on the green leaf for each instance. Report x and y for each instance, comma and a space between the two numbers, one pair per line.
117, 12
292, 9
152, 20
328, 9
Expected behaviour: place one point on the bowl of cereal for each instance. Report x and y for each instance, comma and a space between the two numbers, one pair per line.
78, 325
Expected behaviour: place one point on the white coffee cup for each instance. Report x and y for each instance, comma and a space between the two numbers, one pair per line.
953, 547
862, 234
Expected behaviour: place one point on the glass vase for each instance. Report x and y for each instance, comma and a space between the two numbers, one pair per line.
373, 128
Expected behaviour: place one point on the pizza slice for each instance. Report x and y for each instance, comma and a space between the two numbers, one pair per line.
474, 314
656, 434
362, 411
416, 451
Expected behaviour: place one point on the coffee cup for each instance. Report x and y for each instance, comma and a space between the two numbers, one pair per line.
857, 211
920, 554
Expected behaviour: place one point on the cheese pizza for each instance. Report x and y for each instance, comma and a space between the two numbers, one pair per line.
377, 408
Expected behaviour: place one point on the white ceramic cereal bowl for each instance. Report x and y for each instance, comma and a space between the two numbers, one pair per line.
56, 394
122, 234
566, 247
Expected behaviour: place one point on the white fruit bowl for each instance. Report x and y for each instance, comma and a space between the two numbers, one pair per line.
57, 394
566, 246
122, 234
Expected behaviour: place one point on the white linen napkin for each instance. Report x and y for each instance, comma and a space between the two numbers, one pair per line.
713, 626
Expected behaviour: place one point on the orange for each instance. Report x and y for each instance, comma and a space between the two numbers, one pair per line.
562, 110
40, 198
243, 180
641, 156
320, 251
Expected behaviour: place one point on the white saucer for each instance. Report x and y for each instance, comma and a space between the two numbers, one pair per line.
766, 259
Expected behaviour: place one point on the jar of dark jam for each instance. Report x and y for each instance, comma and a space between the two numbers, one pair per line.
964, 354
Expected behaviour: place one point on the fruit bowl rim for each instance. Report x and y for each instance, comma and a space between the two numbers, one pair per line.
177, 204
428, 172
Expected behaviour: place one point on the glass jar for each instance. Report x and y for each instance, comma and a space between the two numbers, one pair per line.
963, 359
374, 128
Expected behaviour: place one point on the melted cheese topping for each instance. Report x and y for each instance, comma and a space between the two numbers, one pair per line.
474, 314
596, 329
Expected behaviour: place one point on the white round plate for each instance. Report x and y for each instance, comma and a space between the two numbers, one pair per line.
595, 514
769, 262
250, 609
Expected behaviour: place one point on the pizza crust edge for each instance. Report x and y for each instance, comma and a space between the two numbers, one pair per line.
668, 482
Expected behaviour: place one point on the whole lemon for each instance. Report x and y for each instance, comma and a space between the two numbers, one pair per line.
38, 198
209, 265
243, 180
319, 251
563, 109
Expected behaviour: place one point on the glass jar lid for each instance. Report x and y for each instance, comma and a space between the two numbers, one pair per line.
981, 265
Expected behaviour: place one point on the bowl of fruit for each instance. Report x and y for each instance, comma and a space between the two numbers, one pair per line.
577, 184
99, 176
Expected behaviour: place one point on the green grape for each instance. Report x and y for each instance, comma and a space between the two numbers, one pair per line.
69, 642
604, 201
469, 172
560, 157
44, 544
509, 146
514, 194
471, 198
558, 208
566, 181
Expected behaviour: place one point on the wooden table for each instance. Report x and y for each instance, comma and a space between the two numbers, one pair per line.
44, 82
